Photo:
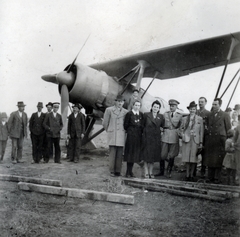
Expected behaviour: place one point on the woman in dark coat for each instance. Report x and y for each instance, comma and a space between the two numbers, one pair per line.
133, 124
152, 124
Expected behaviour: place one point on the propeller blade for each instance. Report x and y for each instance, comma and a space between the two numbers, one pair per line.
64, 103
78, 54
50, 78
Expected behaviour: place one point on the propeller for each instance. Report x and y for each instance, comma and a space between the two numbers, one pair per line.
78, 54
64, 102
65, 80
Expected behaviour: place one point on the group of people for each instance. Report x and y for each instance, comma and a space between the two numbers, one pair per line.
45, 131
154, 137
142, 138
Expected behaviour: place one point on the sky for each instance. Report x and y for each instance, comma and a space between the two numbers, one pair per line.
43, 37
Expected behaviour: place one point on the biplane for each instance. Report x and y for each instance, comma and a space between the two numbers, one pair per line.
96, 86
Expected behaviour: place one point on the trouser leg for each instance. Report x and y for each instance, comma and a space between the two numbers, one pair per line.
71, 149
112, 155
118, 160
146, 168
217, 175
39, 147
20, 147
3, 145
34, 147
14, 148
211, 173
162, 167
172, 153
49, 148
57, 149
164, 155
77, 149
192, 168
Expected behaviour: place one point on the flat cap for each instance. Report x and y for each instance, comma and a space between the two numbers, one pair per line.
77, 105
173, 102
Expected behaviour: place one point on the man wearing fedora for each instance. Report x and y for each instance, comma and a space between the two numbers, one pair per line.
170, 138
47, 140
17, 126
76, 129
3, 134
113, 121
237, 109
203, 113
218, 123
37, 132
53, 125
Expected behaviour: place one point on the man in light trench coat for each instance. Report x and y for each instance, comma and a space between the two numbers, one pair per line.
113, 124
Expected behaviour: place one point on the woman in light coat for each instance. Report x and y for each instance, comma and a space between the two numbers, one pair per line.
192, 137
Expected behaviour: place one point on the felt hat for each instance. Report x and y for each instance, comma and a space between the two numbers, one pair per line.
20, 104
192, 104
237, 106
3, 115
40, 104
230, 133
49, 104
173, 102
119, 98
77, 105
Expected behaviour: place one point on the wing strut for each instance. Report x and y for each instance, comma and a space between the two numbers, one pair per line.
229, 84
136, 71
233, 44
128, 73
143, 64
149, 85
233, 92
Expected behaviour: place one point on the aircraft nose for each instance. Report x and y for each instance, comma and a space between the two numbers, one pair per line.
65, 78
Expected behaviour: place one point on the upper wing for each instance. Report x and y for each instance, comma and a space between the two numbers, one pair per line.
177, 60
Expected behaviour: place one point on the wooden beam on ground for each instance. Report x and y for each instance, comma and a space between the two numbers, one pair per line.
14, 178
181, 193
78, 193
155, 186
227, 188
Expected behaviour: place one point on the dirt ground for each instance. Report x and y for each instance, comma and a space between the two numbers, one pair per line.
153, 214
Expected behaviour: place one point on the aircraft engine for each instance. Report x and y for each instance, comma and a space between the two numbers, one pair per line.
93, 88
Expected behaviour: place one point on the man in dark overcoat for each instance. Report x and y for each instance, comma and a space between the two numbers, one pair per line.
3, 134
47, 154
76, 129
218, 123
203, 113
17, 127
37, 132
53, 124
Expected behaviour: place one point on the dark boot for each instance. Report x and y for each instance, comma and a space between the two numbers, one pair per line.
162, 168
128, 170
170, 166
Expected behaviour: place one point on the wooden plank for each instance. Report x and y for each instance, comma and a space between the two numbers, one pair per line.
227, 188
181, 193
150, 185
14, 178
78, 193
221, 187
